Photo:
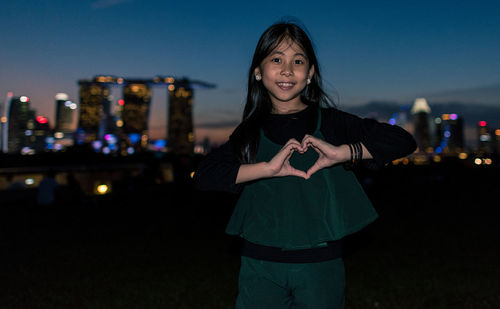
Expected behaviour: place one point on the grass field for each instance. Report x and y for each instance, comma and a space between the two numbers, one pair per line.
435, 245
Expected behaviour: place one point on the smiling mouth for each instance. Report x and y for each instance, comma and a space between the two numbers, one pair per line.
285, 85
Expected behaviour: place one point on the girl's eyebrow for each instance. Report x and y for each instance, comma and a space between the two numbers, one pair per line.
282, 53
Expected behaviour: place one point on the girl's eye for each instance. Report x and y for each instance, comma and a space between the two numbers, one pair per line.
276, 60
299, 61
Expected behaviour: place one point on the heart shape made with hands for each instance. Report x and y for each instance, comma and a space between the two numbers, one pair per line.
299, 160
306, 159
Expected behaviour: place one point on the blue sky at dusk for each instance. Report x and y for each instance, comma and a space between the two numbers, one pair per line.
368, 50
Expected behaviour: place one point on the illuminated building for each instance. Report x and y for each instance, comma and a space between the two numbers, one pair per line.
180, 119
3, 123
420, 111
65, 111
135, 111
484, 138
20, 124
450, 134
40, 138
129, 125
497, 142
94, 109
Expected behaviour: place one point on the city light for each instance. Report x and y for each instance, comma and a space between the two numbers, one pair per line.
134, 137
27, 151
484, 137
478, 161
24, 99
453, 116
58, 135
482, 123
121, 102
97, 145
29, 181
61, 96
4, 119
102, 189
41, 119
73, 106
462, 155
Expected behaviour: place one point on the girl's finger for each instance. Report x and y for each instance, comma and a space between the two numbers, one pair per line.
312, 170
299, 173
311, 140
290, 152
292, 141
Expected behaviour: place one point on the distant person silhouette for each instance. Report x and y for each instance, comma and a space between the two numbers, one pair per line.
46, 195
75, 191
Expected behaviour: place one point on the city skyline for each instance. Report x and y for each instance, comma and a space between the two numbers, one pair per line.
367, 52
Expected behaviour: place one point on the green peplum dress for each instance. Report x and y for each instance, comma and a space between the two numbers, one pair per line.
295, 213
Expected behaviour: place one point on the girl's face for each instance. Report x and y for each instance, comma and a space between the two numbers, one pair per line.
284, 73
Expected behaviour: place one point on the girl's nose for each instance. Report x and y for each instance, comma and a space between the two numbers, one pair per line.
287, 70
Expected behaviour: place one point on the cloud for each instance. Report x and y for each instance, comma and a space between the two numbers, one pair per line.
486, 95
102, 4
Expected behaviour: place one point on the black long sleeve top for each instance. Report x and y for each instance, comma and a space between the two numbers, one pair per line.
385, 142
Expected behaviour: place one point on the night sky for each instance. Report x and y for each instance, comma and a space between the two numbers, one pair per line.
368, 50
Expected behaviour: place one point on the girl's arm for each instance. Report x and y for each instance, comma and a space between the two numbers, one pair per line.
217, 171
382, 142
329, 154
278, 166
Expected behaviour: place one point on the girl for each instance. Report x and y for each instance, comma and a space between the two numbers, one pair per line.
290, 158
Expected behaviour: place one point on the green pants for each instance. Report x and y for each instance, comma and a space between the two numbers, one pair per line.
264, 284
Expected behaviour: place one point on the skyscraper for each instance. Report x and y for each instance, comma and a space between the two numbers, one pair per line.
94, 110
65, 111
3, 123
135, 111
180, 119
129, 125
450, 134
420, 111
497, 142
20, 119
484, 138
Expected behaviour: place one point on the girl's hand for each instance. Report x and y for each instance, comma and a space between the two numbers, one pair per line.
328, 153
280, 164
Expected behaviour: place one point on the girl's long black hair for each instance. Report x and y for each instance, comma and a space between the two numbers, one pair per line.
245, 138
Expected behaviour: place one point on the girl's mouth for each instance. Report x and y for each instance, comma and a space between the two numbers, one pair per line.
285, 85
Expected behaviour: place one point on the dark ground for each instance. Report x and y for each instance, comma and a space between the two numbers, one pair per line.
435, 245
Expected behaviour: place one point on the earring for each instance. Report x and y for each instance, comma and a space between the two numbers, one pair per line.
308, 81
258, 77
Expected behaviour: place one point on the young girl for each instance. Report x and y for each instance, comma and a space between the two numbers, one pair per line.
290, 158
